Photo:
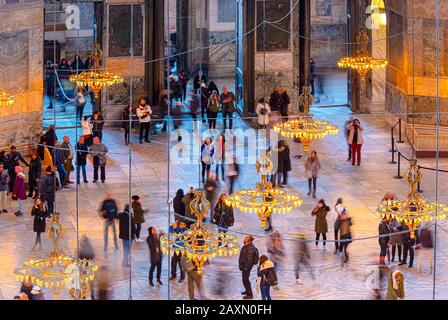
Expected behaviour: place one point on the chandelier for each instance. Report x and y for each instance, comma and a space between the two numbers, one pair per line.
362, 62
59, 270
6, 99
96, 79
200, 242
264, 199
304, 127
413, 209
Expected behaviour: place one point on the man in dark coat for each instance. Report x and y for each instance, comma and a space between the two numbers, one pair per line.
47, 189
248, 258
126, 233
383, 229
286, 165
155, 253
178, 205
285, 101
275, 100
198, 79
408, 246
51, 137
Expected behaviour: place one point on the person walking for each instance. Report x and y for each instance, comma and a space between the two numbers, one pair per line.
155, 253
139, 216
144, 113
87, 133
194, 278
34, 174
355, 140
263, 110
408, 241
249, 257
97, 125
212, 109
207, 153
80, 102
183, 80
274, 247
321, 227
227, 101
109, 211
126, 234
4, 185
195, 108
286, 164
338, 209
223, 214
59, 161
178, 227
312, 167
211, 192
98, 152
125, 116
67, 154
425, 246
40, 215
178, 205
346, 135
345, 223
232, 171
19, 190
220, 156
302, 257
81, 159
198, 80
267, 277
395, 286
278, 156
47, 189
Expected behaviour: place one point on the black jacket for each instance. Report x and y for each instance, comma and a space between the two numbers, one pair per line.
247, 257
275, 101
98, 123
155, 251
47, 186
81, 154
223, 214
178, 205
124, 226
39, 219
284, 104
286, 160
35, 171
50, 138
383, 228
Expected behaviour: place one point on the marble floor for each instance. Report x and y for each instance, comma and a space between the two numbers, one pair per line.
147, 168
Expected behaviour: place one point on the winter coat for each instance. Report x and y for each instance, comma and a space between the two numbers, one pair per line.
220, 152
50, 137
383, 228
227, 101
344, 227
351, 128
205, 97
265, 271
223, 214
275, 101
144, 113
81, 154
178, 205
285, 101
287, 160
86, 127
97, 125
312, 167
39, 219
247, 257
58, 157
98, 152
123, 234
397, 239
321, 225
207, 153
125, 120
213, 104
35, 170
263, 111
139, 213
47, 186
277, 157
67, 151
19, 186
395, 291
155, 251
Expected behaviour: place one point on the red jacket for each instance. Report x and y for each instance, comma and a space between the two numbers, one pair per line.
19, 187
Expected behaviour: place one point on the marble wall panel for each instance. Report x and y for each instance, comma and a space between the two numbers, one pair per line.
14, 61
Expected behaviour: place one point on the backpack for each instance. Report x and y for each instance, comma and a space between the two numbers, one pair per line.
271, 278
256, 256
110, 211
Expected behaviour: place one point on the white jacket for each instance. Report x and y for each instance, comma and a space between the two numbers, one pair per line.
263, 119
352, 133
86, 127
142, 111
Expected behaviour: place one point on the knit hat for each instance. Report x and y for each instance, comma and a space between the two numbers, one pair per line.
18, 169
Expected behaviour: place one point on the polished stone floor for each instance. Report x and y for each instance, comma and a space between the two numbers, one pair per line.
361, 187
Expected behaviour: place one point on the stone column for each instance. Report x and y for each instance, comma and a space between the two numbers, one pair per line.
21, 70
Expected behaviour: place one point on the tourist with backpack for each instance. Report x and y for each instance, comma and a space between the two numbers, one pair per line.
266, 277
109, 212
249, 257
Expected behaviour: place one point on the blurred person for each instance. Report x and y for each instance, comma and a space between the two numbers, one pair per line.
13, 159
177, 117
51, 137
87, 133
139, 216
195, 108
232, 172
103, 289
86, 249
36, 293
47, 189
345, 223
98, 151
312, 167
302, 257
274, 247
4, 185
81, 159
248, 258
40, 215
212, 87
425, 246
198, 80
267, 277
126, 234
284, 105
194, 278
187, 201
338, 209
155, 254
277, 157
207, 153
383, 239
59, 162
109, 211
355, 140
396, 239
321, 226
408, 241
178, 227
34, 174
97, 125
286, 164
262, 110
67, 154
80, 102
211, 192
19, 190
144, 113
227, 101
312, 76
125, 116
223, 214
395, 287
77, 65
26, 287
178, 205
220, 156
346, 135
183, 80
212, 109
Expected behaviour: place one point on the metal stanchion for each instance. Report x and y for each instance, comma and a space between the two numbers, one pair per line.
392, 149
393, 152
399, 132
399, 176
